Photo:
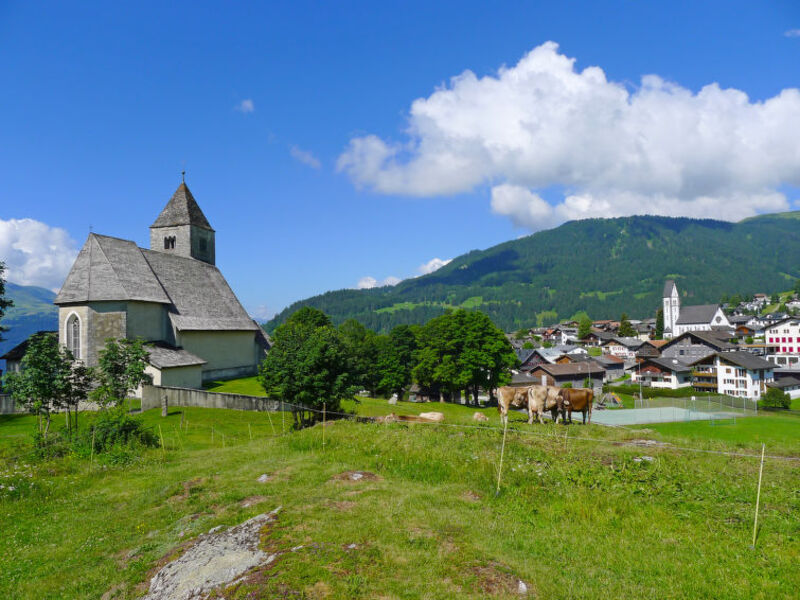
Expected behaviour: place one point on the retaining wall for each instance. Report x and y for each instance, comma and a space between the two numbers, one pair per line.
7, 406
154, 395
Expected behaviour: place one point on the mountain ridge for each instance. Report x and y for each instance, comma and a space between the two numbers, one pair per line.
33, 311
604, 266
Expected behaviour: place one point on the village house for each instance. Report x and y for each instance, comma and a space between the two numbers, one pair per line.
622, 347
694, 345
650, 348
14, 356
733, 373
574, 374
788, 385
171, 295
782, 342
655, 372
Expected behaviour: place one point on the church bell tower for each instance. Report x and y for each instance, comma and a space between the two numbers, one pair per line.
183, 229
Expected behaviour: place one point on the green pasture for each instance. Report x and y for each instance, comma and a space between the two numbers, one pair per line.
580, 514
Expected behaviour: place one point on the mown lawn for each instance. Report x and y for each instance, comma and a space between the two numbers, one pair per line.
575, 518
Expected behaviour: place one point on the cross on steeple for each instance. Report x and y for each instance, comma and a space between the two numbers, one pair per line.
183, 176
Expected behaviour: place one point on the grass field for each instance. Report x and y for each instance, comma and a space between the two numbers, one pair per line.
574, 518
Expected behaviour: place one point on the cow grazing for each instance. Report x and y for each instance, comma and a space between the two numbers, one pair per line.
543, 398
512, 396
578, 399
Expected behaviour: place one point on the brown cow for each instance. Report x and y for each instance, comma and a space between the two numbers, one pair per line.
578, 399
543, 398
512, 396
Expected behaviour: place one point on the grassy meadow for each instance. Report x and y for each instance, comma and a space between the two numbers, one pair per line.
579, 515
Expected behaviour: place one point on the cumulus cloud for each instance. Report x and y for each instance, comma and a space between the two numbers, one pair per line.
432, 265
542, 123
35, 253
246, 106
305, 157
366, 283
262, 313
792, 33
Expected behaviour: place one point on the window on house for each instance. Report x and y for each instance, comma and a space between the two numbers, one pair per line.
169, 242
74, 336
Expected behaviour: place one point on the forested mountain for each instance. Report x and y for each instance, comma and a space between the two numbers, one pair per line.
33, 311
602, 266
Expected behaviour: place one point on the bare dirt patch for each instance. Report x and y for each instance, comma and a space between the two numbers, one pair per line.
344, 505
356, 476
188, 486
495, 580
471, 496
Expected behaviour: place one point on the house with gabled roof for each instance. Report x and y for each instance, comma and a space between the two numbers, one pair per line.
694, 345
658, 372
574, 374
738, 374
170, 295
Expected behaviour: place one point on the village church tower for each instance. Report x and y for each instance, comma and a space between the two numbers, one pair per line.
183, 229
672, 307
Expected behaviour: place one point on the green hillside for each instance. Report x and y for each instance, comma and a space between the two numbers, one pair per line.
33, 311
602, 266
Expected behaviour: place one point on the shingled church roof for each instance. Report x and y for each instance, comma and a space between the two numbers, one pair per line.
702, 313
182, 209
112, 269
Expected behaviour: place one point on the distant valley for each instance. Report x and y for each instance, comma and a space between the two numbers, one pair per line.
33, 311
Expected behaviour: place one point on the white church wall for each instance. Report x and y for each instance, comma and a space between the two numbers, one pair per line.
228, 353
146, 320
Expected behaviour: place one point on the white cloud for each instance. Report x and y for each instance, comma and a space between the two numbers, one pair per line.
262, 313
305, 157
246, 106
432, 265
366, 283
660, 149
792, 33
35, 253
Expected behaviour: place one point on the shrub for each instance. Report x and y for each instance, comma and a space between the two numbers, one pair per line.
774, 398
115, 428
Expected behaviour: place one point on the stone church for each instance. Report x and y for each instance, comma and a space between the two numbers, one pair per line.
172, 296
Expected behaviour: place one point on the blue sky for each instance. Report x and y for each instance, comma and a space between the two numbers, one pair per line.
295, 124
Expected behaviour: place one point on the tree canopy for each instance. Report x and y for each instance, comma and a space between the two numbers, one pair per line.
308, 366
625, 327
120, 370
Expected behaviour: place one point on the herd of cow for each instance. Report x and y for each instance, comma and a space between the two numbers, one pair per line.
538, 399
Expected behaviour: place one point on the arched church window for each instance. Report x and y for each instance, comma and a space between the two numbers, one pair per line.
169, 242
74, 336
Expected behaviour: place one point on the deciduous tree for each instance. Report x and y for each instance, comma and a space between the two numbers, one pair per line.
584, 327
120, 370
625, 327
42, 381
396, 360
307, 366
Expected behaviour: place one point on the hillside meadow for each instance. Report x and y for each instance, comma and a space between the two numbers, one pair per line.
580, 513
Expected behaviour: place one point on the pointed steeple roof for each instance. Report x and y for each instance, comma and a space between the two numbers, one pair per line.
182, 209
668, 286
